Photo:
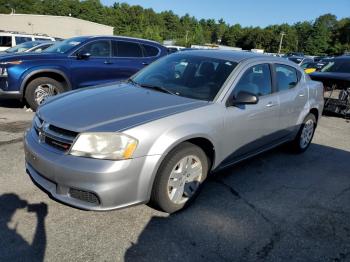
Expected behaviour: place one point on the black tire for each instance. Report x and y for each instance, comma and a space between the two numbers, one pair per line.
296, 144
160, 197
31, 87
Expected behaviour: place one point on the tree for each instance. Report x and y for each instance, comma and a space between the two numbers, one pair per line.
325, 35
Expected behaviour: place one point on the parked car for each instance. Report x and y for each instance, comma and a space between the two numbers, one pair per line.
157, 136
27, 47
300, 54
174, 48
299, 60
74, 63
11, 39
309, 67
335, 76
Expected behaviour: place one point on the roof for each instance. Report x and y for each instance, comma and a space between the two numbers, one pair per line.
342, 58
234, 56
122, 37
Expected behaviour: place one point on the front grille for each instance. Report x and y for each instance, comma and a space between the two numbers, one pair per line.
84, 196
54, 136
57, 144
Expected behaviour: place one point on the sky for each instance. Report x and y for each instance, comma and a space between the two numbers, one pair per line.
249, 12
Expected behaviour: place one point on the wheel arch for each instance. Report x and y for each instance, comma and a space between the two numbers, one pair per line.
200, 140
52, 73
315, 112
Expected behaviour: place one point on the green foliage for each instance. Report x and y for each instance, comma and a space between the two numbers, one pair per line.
325, 35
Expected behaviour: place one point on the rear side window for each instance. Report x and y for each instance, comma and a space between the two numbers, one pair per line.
6, 41
150, 50
286, 77
22, 39
256, 80
126, 49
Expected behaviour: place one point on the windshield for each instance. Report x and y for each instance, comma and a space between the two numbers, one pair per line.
187, 75
65, 46
22, 47
340, 66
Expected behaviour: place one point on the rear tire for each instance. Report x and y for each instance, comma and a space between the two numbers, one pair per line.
40, 89
179, 178
304, 137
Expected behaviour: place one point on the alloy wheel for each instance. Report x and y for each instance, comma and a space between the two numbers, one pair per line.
307, 133
42, 92
185, 179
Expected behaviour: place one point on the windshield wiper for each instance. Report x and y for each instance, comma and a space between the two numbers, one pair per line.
157, 88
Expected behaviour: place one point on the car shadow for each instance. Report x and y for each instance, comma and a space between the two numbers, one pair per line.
11, 103
275, 207
13, 246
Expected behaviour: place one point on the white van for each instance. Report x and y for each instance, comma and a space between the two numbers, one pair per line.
11, 39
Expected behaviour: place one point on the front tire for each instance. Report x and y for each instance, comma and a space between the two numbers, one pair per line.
304, 137
179, 178
39, 89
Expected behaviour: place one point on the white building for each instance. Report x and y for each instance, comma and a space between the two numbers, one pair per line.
57, 26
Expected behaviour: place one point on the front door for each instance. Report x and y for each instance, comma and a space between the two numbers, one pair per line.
249, 128
95, 69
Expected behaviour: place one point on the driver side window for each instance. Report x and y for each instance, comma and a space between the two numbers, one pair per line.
97, 49
256, 80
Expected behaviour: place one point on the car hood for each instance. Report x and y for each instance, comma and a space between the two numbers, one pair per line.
4, 57
112, 108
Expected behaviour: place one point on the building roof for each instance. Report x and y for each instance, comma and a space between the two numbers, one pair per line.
58, 17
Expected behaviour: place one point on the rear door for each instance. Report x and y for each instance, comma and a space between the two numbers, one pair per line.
249, 128
127, 58
292, 94
96, 69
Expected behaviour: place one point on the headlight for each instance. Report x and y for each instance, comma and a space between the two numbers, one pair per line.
3, 72
113, 146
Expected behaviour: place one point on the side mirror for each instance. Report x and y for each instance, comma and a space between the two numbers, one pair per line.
243, 98
83, 56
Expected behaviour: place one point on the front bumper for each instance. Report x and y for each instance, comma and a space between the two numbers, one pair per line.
115, 184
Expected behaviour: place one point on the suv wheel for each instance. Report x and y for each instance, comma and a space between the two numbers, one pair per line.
39, 89
179, 178
305, 134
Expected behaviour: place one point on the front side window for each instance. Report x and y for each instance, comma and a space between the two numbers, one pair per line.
6, 41
97, 49
20, 39
256, 80
126, 49
286, 77
192, 76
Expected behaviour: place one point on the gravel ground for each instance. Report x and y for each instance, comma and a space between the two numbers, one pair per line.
275, 207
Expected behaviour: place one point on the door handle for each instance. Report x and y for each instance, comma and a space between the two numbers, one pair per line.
145, 63
107, 62
271, 104
301, 94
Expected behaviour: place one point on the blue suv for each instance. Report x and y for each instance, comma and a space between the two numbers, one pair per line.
74, 63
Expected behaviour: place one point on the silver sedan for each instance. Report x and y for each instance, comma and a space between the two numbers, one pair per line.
156, 137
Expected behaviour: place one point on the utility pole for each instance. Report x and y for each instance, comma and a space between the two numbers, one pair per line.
186, 37
281, 41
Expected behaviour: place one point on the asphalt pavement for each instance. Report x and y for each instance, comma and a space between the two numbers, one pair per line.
275, 207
